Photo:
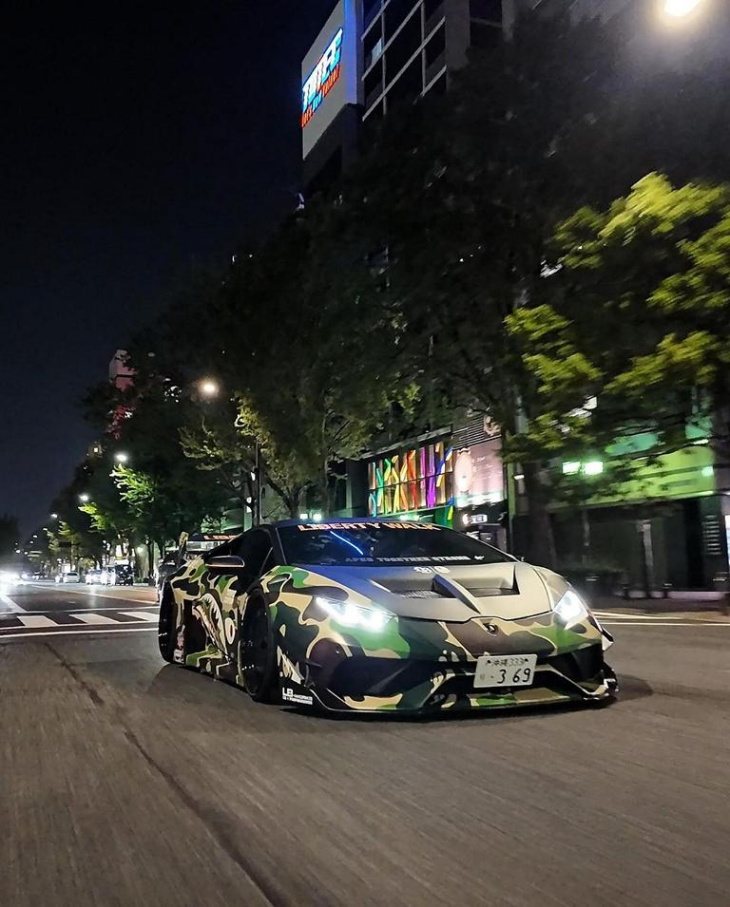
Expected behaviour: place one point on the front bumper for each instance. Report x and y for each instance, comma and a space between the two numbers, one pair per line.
364, 684
422, 666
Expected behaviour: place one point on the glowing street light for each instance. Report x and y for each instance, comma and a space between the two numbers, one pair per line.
678, 9
84, 498
209, 388
54, 516
121, 457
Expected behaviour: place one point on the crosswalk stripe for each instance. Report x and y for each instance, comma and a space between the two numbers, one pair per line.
90, 617
121, 628
141, 615
35, 620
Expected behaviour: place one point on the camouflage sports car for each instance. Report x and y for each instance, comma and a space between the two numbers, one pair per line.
378, 616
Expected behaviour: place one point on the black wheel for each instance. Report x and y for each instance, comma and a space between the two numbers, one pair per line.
257, 652
167, 632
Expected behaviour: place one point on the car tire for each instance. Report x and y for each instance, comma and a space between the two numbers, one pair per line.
167, 632
257, 652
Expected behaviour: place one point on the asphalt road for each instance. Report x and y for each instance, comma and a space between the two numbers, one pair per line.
127, 782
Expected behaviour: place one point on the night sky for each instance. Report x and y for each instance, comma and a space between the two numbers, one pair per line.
138, 139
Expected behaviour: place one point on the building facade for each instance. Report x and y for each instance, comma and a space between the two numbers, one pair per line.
373, 54
667, 527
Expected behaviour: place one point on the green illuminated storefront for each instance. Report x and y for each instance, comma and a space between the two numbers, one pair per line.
665, 526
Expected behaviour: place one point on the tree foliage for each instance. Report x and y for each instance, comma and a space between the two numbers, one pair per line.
640, 320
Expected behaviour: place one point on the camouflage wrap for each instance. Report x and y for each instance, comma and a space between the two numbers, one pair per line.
314, 650
208, 612
409, 665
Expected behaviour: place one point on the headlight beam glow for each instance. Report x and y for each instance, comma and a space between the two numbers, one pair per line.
349, 614
570, 609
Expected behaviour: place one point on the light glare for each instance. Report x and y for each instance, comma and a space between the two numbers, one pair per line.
351, 615
209, 388
679, 8
570, 609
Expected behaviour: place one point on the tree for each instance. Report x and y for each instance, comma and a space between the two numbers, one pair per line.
640, 320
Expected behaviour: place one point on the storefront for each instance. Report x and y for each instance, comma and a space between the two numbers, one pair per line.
414, 481
453, 478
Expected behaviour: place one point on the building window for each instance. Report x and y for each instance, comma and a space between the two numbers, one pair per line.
396, 13
403, 47
372, 46
373, 85
435, 54
370, 11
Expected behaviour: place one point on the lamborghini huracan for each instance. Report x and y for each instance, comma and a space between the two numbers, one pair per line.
383, 616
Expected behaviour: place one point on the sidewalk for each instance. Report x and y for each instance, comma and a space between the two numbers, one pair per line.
708, 605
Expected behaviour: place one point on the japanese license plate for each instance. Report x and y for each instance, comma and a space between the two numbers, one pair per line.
504, 671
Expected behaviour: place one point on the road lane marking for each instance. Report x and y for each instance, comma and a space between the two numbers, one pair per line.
73, 608
618, 616
10, 604
80, 632
639, 623
93, 592
141, 615
36, 620
92, 618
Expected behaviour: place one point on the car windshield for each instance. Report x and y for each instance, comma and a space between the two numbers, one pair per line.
382, 544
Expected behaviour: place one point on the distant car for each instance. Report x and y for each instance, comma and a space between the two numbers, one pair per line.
383, 616
71, 577
165, 570
93, 577
118, 575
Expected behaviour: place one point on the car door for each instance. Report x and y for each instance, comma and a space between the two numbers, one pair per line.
256, 549
223, 590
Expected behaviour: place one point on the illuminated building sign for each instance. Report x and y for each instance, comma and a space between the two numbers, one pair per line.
322, 78
417, 479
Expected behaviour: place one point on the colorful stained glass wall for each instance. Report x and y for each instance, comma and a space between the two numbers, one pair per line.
416, 479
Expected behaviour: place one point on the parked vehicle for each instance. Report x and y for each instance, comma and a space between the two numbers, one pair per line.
93, 577
71, 577
117, 575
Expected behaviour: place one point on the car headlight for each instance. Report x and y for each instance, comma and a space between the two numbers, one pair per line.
570, 609
350, 615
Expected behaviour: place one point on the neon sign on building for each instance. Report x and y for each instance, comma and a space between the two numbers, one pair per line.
417, 479
322, 78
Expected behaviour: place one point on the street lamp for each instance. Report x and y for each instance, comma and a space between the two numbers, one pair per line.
208, 388
678, 9
54, 516
84, 498
121, 457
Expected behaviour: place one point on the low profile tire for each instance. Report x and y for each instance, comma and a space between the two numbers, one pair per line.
167, 631
258, 652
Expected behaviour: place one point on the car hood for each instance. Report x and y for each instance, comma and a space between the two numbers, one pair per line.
509, 590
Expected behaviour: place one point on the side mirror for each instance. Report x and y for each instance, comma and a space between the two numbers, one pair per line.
227, 563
